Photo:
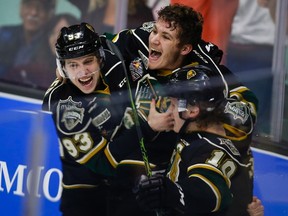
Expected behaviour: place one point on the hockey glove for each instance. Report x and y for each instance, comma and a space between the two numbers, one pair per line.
159, 192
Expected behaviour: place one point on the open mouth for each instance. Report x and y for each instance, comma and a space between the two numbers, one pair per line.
154, 54
85, 80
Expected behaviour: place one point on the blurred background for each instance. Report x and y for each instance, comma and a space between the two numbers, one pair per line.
252, 33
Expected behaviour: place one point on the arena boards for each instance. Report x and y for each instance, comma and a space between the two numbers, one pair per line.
30, 173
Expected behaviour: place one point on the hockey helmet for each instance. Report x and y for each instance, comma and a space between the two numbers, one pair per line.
76, 41
196, 85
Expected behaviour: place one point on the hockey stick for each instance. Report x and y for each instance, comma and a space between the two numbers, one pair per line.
115, 49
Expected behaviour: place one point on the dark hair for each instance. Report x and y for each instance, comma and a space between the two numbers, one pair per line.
188, 21
205, 118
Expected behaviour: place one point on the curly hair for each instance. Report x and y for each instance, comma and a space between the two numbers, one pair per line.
188, 22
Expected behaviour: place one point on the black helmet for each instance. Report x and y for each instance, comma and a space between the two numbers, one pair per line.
197, 84
78, 40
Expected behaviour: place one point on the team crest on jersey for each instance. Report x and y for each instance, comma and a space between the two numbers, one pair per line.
190, 74
70, 112
238, 110
136, 69
229, 145
147, 26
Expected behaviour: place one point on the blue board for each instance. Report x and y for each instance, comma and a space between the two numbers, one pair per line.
29, 147
30, 173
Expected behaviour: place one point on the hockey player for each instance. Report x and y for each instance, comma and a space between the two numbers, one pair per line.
86, 106
152, 53
205, 166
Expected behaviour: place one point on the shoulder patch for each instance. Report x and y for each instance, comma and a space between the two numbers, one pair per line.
238, 110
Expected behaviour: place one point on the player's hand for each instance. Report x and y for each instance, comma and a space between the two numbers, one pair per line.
159, 192
160, 121
255, 208
150, 192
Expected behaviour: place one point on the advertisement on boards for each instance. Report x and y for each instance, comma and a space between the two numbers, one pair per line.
30, 172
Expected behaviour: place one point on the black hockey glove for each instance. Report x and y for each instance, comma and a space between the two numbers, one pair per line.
159, 192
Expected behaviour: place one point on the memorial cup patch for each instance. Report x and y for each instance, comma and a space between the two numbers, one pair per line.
70, 113
238, 110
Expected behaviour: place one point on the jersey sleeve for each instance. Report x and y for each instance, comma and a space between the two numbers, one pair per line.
49, 97
239, 91
240, 108
132, 41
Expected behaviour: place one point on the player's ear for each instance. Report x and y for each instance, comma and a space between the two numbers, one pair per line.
186, 49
